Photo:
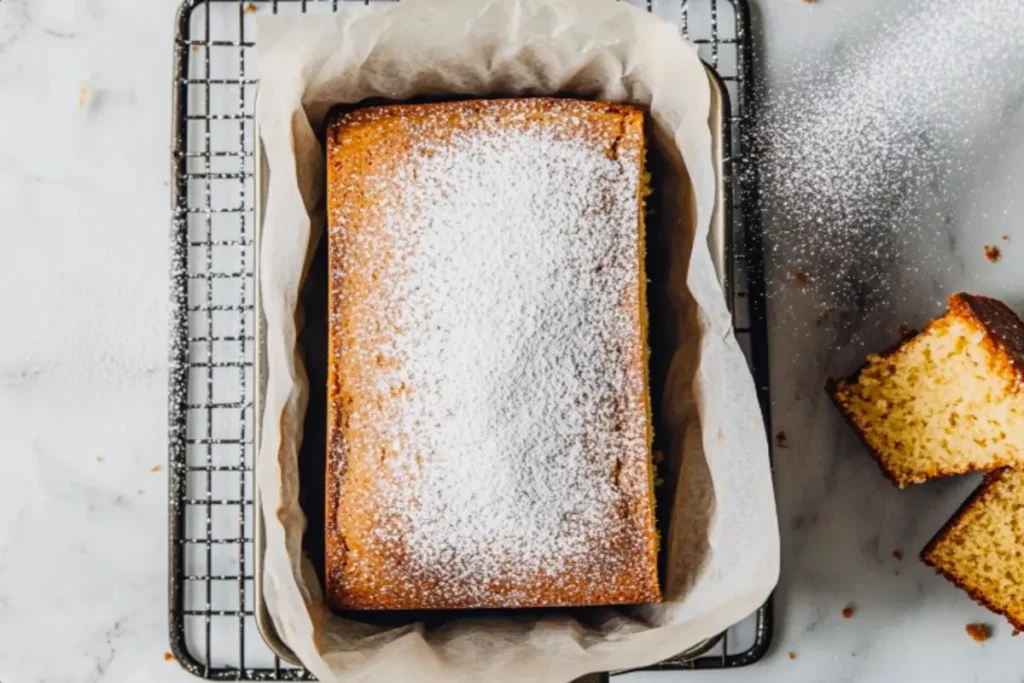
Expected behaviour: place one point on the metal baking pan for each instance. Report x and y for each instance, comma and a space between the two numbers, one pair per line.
719, 241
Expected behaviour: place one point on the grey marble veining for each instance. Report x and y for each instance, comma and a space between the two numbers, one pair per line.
85, 91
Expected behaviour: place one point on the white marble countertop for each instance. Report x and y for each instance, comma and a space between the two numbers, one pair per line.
84, 151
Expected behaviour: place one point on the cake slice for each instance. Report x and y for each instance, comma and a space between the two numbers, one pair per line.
981, 549
947, 401
489, 433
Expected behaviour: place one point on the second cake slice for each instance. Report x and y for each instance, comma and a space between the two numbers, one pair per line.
981, 549
948, 401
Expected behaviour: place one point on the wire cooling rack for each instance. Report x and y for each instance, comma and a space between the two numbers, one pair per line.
213, 630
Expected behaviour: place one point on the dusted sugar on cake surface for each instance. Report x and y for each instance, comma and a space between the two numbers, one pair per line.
981, 549
489, 421
948, 401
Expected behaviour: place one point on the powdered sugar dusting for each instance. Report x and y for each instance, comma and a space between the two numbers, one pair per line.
866, 154
511, 408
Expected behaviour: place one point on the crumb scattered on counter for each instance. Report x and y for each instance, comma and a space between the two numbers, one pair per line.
808, 2
781, 440
979, 633
83, 95
139, 491
898, 554
792, 655
848, 612
801, 277
99, 458
1006, 238
827, 310
168, 657
251, 8
993, 254
156, 468
1016, 632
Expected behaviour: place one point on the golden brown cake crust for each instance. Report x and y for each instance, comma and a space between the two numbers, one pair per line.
392, 172
977, 499
1004, 332
1003, 339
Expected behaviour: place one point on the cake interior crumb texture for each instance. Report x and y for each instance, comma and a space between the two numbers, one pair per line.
489, 421
949, 400
982, 548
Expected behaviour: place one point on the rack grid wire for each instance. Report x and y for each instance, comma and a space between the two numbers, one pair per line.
213, 630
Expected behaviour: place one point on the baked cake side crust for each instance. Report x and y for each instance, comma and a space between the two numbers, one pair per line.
1003, 330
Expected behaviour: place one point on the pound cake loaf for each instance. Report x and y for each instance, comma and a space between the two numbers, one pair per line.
981, 549
948, 401
489, 438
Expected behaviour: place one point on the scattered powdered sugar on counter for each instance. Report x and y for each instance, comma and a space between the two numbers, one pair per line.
513, 285
863, 153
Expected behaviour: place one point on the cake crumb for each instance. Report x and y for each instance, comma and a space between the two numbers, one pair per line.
826, 311
848, 612
83, 95
898, 554
808, 2
168, 657
979, 633
801, 277
993, 254
139, 491
1006, 238
99, 458
792, 655
781, 440
156, 468
251, 8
